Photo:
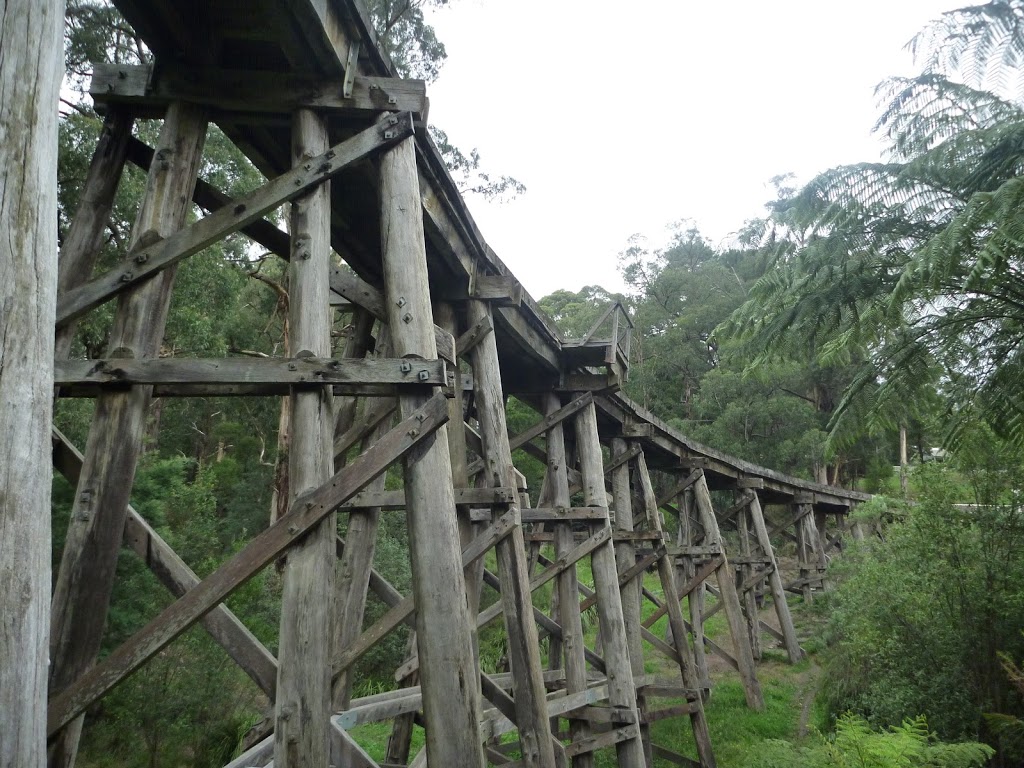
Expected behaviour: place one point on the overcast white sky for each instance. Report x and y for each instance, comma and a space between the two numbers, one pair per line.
623, 117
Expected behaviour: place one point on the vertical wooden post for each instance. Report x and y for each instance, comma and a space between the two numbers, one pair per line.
793, 649
451, 706
30, 75
630, 592
82, 593
621, 688
698, 720
521, 631
730, 600
695, 599
303, 704
743, 575
567, 583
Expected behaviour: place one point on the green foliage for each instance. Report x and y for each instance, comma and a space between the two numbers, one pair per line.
919, 619
912, 268
855, 744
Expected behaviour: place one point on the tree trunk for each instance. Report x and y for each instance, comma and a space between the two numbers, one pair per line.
30, 72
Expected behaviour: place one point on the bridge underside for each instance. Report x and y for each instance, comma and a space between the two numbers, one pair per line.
440, 334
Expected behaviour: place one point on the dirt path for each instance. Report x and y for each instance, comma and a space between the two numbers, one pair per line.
810, 680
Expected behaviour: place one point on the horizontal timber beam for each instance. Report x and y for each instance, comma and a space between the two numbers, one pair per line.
297, 371
147, 91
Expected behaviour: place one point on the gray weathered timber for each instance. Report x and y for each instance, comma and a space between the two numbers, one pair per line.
625, 559
298, 371
451, 708
303, 703
305, 514
698, 721
572, 645
147, 92
746, 574
793, 649
85, 578
523, 645
224, 627
84, 237
731, 601
354, 569
694, 588
30, 75
621, 689
150, 258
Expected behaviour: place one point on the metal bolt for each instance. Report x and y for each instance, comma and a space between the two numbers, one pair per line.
292, 367
121, 75
401, 302
389, 134
127, 277
392, 120
308, 166
298, 182
392, 99
405, 367
407, 318
413, 432
293, 529
304, 255
423, 375
142, 258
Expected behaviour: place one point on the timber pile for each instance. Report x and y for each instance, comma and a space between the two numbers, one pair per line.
311, 98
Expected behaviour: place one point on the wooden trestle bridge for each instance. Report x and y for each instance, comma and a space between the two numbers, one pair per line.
441, 334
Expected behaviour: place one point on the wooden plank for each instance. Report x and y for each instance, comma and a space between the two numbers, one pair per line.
463, 497
296, 372
306, 512
147, 91
473, 336
628, 733
503, 290
563, 514
31, 66
154, 257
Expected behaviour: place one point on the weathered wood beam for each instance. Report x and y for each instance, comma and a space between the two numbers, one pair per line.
31, 66
147, 91
445, 648
296, 372
153, 254
775, 583
306, 512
